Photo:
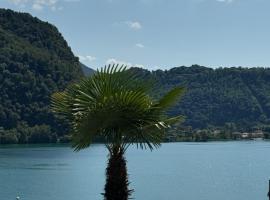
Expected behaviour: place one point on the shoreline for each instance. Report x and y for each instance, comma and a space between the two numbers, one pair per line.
100, 143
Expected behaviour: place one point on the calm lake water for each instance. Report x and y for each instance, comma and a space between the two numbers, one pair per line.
187, 171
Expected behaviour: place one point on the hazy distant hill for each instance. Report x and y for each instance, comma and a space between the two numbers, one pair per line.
35, 61
86, 70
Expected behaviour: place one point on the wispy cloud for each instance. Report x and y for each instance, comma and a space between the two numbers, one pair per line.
134, 25
116, 61
72, 0
39, 5
87, 58
17, 2
139, 66
139, 45
225, 1
121, 62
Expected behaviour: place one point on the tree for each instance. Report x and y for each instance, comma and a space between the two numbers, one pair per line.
35, 61
115, 104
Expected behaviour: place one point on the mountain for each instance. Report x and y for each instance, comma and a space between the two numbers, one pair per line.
236, 97
86, 70
35, 61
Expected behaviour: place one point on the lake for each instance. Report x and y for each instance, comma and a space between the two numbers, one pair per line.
187, 171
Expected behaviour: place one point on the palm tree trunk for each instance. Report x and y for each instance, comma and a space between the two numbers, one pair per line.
116, 187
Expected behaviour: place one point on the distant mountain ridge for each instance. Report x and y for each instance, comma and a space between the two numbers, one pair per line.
87, 71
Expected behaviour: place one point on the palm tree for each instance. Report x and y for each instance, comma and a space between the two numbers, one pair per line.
115, 104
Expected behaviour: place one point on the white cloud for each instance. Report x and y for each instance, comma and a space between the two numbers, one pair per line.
120, 62
225, 1
134, 25
111, 61
139, 45
87, 58
17, 2
139, 66
39, 5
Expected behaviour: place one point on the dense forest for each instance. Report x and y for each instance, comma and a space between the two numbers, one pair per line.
237, 98
35, 61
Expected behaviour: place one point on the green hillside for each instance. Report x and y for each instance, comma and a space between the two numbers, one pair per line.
35, 61
235, 97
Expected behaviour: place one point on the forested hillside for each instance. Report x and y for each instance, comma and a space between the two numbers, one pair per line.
35, 61
238, 98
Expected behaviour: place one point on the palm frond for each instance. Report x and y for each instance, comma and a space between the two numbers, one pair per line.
171, 97
114, 103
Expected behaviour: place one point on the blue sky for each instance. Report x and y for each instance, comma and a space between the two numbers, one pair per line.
160, 33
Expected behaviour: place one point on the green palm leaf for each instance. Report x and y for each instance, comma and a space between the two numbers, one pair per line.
114, 103
171, 97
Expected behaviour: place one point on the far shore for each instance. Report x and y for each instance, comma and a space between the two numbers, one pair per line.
100, 143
